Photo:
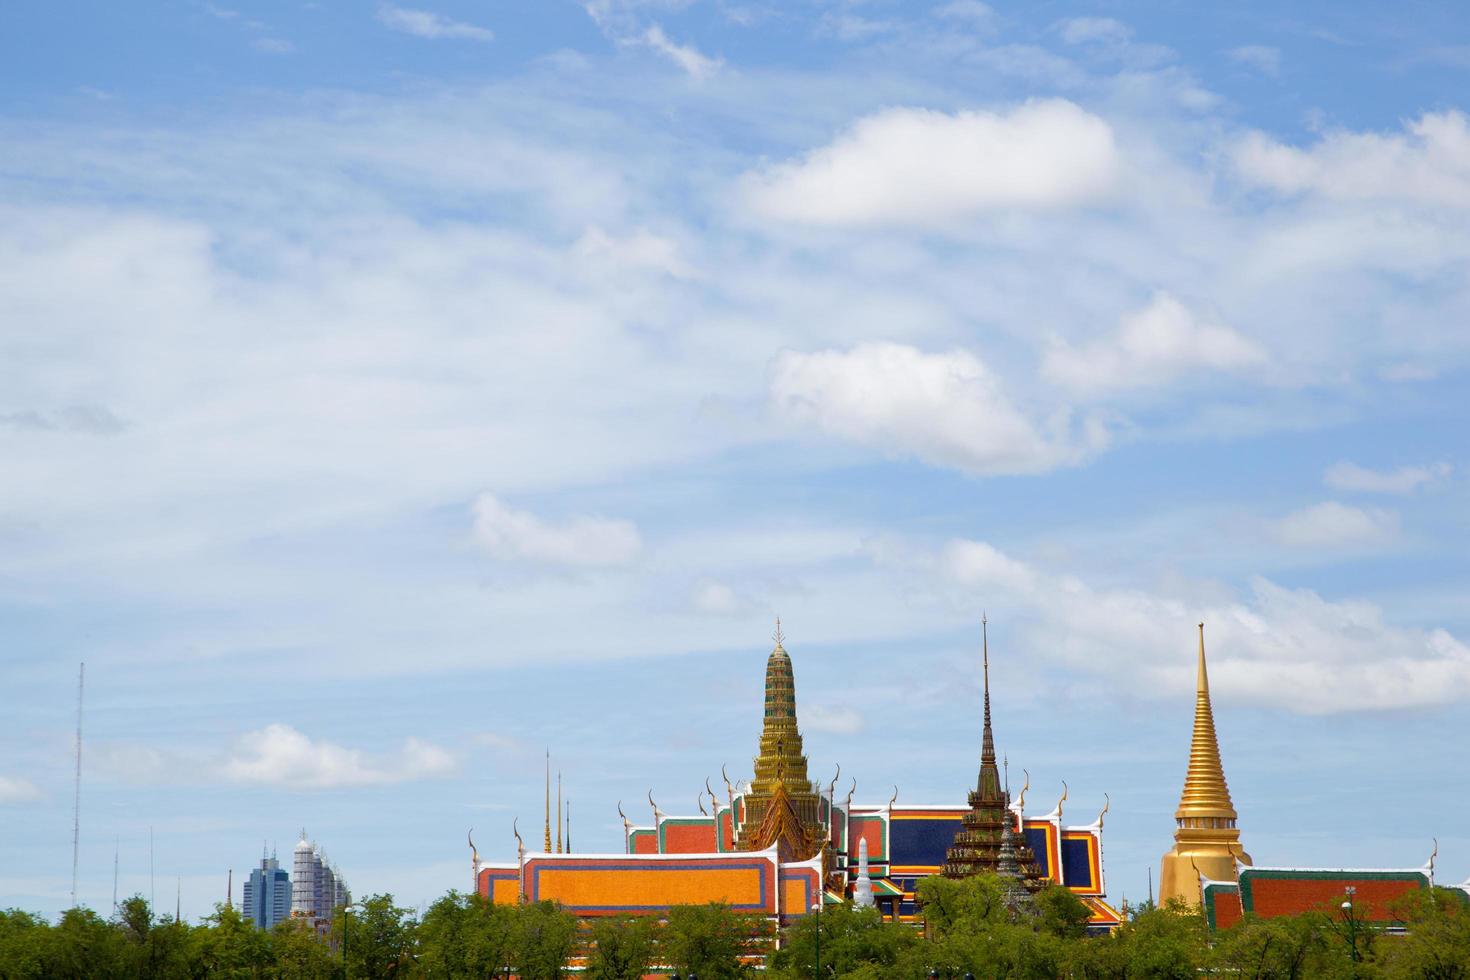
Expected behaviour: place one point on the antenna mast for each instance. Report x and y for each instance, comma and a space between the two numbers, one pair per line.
76, 809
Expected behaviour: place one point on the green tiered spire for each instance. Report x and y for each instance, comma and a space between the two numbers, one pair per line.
781, 808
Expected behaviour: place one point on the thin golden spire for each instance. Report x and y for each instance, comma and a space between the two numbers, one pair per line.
1206, 795
558, 811
547, 848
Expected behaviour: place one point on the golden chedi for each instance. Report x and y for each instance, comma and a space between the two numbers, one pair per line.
1206, 838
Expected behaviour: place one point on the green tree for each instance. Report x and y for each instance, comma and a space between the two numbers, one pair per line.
712, 940
546, 936
850, 937
229, 947
376, 940
299, 953
1436, 945
1060, 913
465, 936
1288, 947
623, 948
962, 904
84, 946
1164, 943
23, 937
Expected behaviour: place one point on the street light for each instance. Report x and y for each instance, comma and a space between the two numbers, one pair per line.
817, 908
1352, 921
346, 918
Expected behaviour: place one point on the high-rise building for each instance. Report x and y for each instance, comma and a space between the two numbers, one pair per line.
316, 886
267, 893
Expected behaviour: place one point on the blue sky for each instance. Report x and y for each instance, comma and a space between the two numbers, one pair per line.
391, 392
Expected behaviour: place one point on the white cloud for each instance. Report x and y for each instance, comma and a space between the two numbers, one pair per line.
273, 45
427, 24
698, 66
279, 755
918, 166
1331, 525
946, 409
719, 599
511, 535
835, 719
969, 10
1428, 163
1263, 59
1152, 346
639, 250
1089, 30
1286, 648
13, 789
1404, 480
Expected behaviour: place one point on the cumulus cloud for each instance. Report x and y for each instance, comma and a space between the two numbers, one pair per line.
427, 24
919, 166
946, 409
1266, 60
1287, 648
966, 10
1405, 480
1428, 163
513, 535
1331, 525
279, 755
1151, 347
13, 789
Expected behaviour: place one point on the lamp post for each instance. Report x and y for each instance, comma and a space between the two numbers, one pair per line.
817, 908
347, 918
1351, 920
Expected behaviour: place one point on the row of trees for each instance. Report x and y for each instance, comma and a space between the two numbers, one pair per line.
968, 931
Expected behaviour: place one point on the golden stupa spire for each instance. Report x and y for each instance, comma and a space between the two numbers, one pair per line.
1206, 838
558, 811
1205, 793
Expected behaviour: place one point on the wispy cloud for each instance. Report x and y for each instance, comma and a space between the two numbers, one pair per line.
427, 24
696, 65
273, 45
1404, 480
1333, 526
1266, 60
13, 789
279, 755
512, 534
1286, 648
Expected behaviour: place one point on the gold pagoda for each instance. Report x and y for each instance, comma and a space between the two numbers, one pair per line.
782, 807
1206, 838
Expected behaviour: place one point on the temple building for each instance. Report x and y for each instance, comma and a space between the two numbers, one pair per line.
778, 844
1206, 838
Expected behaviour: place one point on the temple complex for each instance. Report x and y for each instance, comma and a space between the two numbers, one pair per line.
1206, 838
778, 844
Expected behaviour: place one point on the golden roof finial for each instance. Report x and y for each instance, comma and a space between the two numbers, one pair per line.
558, 811
778, 636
